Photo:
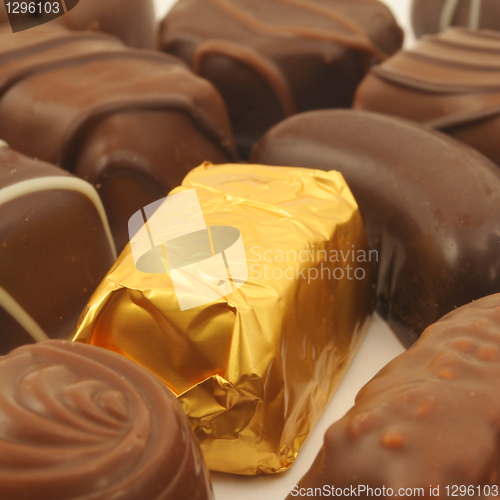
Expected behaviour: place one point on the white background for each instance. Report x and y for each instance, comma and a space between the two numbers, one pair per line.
379, 347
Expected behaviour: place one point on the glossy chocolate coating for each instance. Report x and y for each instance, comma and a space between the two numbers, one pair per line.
431, 417
131, 20
81, 422
273, 58
429, 203
132, 123
449, 81
55, 248
431, 16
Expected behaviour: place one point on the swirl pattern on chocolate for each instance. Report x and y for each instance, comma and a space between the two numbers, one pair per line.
449, 81
430, 418
81, 422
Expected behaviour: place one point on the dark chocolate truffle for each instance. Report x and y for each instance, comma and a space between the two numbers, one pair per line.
449, 81
55, 247
81, 422
273, 58
429, 421
431, 16
131, 20
429, 203
131, 122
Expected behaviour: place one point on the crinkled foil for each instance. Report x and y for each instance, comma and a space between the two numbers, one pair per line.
253, 369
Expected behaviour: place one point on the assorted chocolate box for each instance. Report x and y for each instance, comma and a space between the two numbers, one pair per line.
217, 335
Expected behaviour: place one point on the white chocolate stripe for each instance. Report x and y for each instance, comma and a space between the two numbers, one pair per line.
21, 316
67, 183
450, 9
3, 144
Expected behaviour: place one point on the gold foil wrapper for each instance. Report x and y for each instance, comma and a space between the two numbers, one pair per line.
253, 369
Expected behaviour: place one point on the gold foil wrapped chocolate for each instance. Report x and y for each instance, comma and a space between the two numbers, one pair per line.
246, 291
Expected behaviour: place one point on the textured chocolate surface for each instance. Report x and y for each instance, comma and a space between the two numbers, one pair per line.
273, 58
430, 207
55, 247
429, 418
132, 123
449, 81
81, 422
131, 20
431, 16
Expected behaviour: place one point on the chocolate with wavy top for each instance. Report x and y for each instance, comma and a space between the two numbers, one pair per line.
449, 81
429, 419
272, 58
81, 422
131, 122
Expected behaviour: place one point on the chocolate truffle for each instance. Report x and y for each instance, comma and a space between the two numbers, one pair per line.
429, 420
131, 122
55, 247
81, 422
429, 203
273, 58
449, 81
131, 20
431, 16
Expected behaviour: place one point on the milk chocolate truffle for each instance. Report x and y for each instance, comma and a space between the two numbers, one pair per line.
429, 203
55, 247
429, 420
131, 20
449, 81
431, 16
81, 422
131, 122
273, 58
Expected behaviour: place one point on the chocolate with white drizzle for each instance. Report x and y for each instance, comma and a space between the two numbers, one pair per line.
131, 20
430, 419
431, 16
131, 122
449, 81
83, 423
273, 58
55, 247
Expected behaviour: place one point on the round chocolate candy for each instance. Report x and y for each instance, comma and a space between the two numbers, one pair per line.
81, 422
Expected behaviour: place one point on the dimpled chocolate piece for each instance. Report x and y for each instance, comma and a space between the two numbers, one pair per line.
131, 122
431, 16
430, 418
273, 58
430, 207
81, 422
55, 248
131, 20
449, 81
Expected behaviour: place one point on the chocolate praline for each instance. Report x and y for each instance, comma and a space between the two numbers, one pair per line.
83, 423
428, 422
55, 248
429, 204
449, 81
131, 122
272, 58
